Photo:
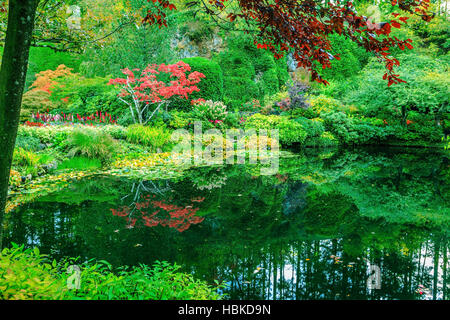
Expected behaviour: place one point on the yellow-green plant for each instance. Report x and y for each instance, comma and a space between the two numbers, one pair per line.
27, 274
154, 137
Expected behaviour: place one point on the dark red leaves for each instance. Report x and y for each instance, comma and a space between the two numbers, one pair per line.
301, 27
395, 24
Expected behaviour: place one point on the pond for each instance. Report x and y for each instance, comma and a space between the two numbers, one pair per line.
313, 231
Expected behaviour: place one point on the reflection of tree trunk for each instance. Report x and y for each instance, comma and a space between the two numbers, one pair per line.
275, 273
269, 267
297, 271
398, 180
314, 263
263, 291
444, 271
424, 261
334, 246
280, 257
308, 275
436, 266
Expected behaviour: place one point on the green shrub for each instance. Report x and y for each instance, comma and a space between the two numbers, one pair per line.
269, 83
370, 134
34, 101
233, 120
56, 135
28, 143
47, 135
327, 139
180, 119
249, 73
314, 128
303, 113
211, 87
322, 103
210, 111
433, 35
259, 121
419, 130
26, 274
341, 126
163, 281
350, 130
426, 90
115, 131
154, 137
282, 72
290, 132
26, 160
352, 58
239, 90
92, 144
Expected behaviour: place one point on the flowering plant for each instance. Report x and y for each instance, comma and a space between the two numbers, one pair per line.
213, 112
45, 119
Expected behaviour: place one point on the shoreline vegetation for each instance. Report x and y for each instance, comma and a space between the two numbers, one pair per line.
109, 109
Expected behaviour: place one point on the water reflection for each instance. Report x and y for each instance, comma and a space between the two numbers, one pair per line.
310, 232
153, 212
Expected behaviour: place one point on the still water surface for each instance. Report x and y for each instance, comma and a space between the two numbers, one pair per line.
313, 231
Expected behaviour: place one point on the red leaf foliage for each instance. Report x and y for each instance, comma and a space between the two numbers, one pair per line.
302, 27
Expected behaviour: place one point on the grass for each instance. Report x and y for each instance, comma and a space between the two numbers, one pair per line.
80, 163
91, 144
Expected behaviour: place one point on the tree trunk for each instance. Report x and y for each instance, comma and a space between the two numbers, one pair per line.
21, 14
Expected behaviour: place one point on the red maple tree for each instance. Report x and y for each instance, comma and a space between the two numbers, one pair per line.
147, 91
302, 27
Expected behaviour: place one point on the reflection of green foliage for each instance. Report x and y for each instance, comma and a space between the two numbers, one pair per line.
386, 206
90, 189
328, 213
80, 163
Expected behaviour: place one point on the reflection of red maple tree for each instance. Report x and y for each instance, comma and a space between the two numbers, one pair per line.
166, 215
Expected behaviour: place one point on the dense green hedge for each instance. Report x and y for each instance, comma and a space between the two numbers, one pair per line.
352, 58
211, 87
249, 73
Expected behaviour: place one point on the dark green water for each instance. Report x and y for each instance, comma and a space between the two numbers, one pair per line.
309, 232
